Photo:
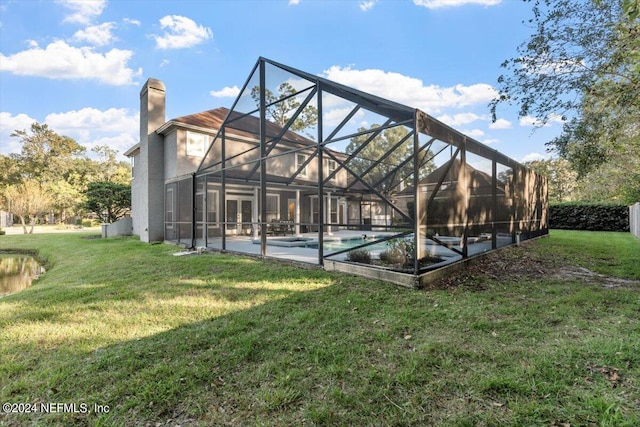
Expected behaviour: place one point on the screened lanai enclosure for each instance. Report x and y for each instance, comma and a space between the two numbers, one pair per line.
305, 169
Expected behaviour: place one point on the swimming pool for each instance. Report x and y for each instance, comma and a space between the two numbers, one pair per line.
339, 245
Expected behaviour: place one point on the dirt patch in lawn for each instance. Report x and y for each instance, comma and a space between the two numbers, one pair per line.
519, 263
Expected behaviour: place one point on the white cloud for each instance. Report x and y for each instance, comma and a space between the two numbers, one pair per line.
131, 21
83, 11
164, 62
534, 121
335, 116
121, 142
411, 91
367, 4
61, 61
89, 120
181, 32
490, 141
8, 124
97, 35
500, 124
473, 133
226, 92
535, 156
116, 127
460, 119
436, 4
294, 2
545, 64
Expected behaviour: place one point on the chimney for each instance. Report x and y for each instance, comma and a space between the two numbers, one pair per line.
148, 203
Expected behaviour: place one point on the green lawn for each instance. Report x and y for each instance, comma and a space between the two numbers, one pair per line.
226, 340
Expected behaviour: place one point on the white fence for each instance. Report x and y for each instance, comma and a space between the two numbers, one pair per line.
634, 219
122, 227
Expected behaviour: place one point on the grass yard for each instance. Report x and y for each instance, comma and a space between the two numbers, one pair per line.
545, 334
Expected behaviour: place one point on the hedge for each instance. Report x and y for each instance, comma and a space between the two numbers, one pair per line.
593, 217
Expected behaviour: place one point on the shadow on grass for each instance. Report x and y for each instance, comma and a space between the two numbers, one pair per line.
347, 352
356, 352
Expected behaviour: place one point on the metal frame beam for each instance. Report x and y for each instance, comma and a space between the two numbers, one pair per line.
285, 128
373, 190
362, 146
376, 163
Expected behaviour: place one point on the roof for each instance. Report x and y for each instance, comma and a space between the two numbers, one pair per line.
247, 126
131, 151
477, 177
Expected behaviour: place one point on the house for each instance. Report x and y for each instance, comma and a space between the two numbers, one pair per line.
317, 162
170, 153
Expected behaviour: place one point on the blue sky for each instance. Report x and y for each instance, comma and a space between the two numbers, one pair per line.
78, 65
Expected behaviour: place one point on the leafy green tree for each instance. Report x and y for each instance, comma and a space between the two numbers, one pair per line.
9, 170
50, 159
109, 200
578, 48
583, 61
45, 155
60, 164
631, 8
562, 179
370, 159
66, 199
280, 112
27, 200
108, 168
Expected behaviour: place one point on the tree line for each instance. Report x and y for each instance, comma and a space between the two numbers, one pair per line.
53, 179
582, 63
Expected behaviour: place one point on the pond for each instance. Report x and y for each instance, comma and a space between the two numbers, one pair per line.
17, 271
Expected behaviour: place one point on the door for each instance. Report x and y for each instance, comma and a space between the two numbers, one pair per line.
232, 217
200, 216
239, 216
342, 213
246, 216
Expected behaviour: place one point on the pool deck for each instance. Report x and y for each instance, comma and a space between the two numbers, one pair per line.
298, 253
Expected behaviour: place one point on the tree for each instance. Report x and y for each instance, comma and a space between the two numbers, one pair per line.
60, 164
45, 155
27, 201
583, 60
109, 200
369, 158
9, 170
562, 179
578, 48
108, 168
280, 112
52, 160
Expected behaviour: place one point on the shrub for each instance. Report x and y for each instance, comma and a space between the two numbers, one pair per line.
593, 217
400, 251
392, 256
359, 255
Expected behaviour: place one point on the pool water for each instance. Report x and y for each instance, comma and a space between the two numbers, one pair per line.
339, 245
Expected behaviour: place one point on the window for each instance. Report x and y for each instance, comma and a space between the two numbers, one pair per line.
333, 210
212, 206
273, 201
331, 167
133, 164
170, 206
300, 159
195, 144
